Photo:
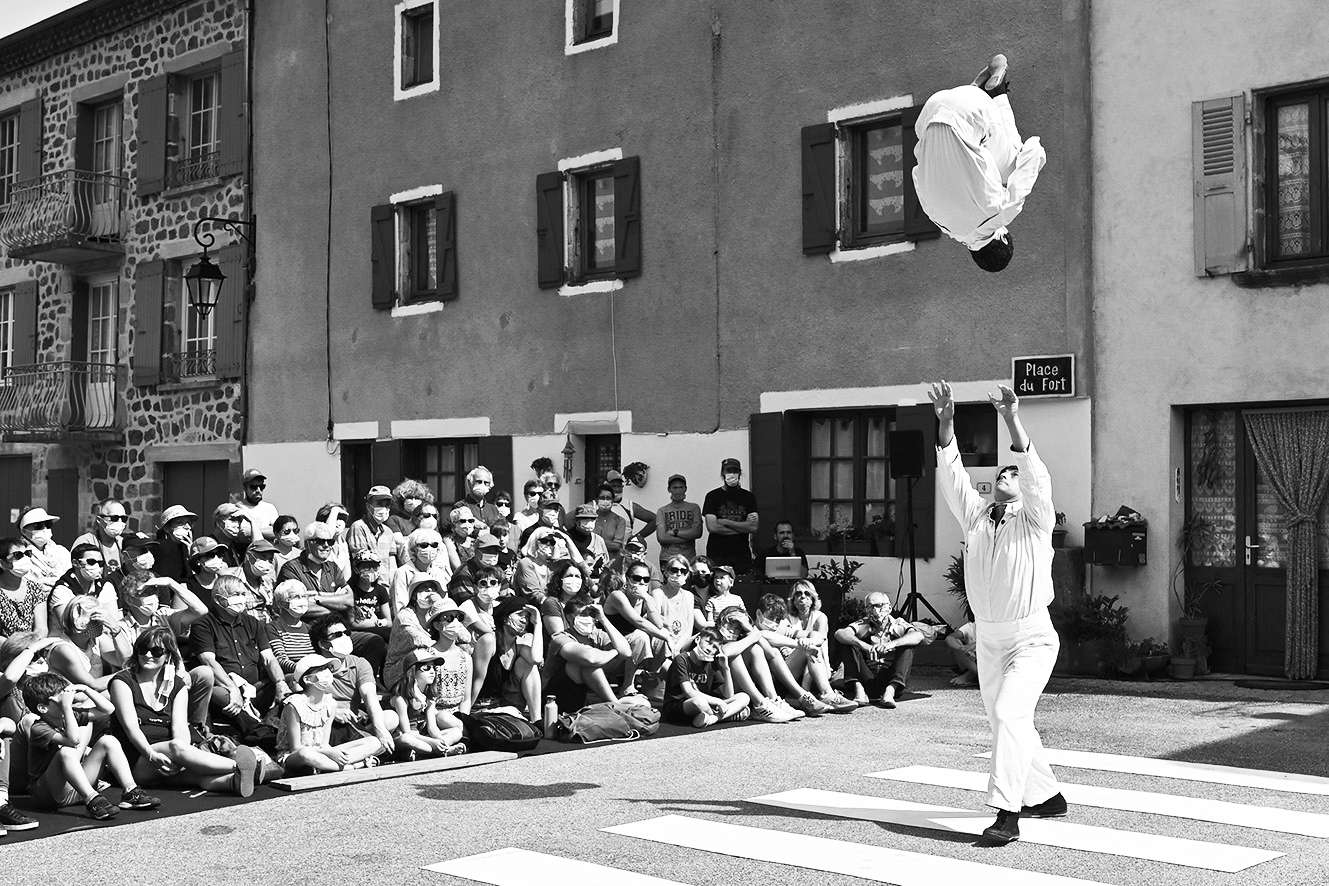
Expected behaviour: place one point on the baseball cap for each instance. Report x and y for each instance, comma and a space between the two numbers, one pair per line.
613, 477
731, 464
488, 541
585, 512
635, 544
422, 655
365, 555
549, 501
378, 492
86, 547
227, 509
727, 569
176, 512
139, 540
251, 475
308, 663
446, 607
35, 515
508, 605
202, 547
673, 477
262, 546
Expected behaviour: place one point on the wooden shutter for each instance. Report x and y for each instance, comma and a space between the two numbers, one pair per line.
627, 217
30, 140
549, 229
918, 418
229, 314
78, 321
445, 205
147, 346
232, 119
820, 225
383, 255
151, 134
917, 225
25, 323
495, 453
385, 468
83, 135
1218, 156
777, 471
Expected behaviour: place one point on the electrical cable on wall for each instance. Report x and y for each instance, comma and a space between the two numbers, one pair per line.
327, 276
613, 348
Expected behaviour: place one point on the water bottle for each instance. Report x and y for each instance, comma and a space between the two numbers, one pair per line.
550, 715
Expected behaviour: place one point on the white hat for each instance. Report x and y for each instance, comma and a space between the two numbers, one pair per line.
35, 515
308, 663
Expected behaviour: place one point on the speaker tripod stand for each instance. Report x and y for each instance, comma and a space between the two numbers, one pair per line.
908, 610
906, 460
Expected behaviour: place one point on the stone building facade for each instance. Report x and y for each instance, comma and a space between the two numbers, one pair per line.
122, 122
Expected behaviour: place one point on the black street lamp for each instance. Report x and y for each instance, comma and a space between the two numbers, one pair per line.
204, 279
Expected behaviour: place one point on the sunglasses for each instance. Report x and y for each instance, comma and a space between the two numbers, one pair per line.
427, 544
367, 564
426, 666
45, 524
532, 493
433, 514
18, 555
115, 518
640, 579
155, 651
465, 520
258, 486
291, 530
553, 486
675, 570
547, 540
323, 542
332, 635
488, 583
502, 504
93, 562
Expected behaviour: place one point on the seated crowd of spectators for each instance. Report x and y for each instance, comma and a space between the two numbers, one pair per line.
270, 647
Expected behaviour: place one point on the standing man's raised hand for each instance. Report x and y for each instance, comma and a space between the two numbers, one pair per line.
1005, 401
943, 399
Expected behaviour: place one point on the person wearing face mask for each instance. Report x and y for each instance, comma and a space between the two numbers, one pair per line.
550, 514
459, 542
49, 559
520, 655
359, 713
207, 563
110, 521
591, 546
425, 516
409, 496
287, 631
86, 578
305, 738
631, 511
479, 484
95, 647
609, 525
730, 512
678, 610
237, 648
487, 551
23, 601
371, 610
424, 722
424, 549
251, 501
678, 524
634, 551
259, 573
503, 504
372, 532
410, 629
175, 532
529, 514
701, 581
339, 518
231, 527
478, 618
540, 553
286, 539
22, 654
587, 626
317, 571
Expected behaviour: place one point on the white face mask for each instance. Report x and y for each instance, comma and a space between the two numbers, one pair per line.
505, 509
489, 559
456, 632
40, 537
297, 606
572, 584
259, 566
183, 532
583, 624
380, 514
114, 529
429, 523
148, 603
341, 645
322, 678
517, 623
237, 604
145, 561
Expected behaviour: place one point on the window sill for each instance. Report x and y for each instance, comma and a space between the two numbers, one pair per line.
1267, 278
840, 255
401, 93
195, 383
570, 289
415, 309
588, 45
203, 184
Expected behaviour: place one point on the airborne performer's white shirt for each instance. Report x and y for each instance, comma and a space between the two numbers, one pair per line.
1007, 567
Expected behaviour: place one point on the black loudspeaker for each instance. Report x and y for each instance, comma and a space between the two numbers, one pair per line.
906, 450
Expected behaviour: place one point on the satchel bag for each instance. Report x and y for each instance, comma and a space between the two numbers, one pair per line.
608, 721
498, 731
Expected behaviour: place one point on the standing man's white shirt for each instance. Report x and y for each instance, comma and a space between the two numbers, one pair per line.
1011, 580
261, 517
973, 173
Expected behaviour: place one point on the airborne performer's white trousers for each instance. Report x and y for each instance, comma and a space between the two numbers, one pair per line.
1015, 660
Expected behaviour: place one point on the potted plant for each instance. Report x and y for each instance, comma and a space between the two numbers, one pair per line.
1191, 592
954, 578
1093, 633
1147, 658
1059, 531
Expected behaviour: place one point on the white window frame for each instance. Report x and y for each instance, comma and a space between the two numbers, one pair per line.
6, 333
401, 202
110, 321
570, 44
399, 12
572, 168
845, 118
187, 316
8, 154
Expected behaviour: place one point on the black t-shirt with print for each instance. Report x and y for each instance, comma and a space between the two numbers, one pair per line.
730, 504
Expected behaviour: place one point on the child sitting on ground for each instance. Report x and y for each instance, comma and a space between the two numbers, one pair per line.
698, 688
64, 760
425, 729
963, 644
304, 739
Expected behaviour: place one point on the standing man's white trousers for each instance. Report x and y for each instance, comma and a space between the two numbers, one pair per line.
1015, 660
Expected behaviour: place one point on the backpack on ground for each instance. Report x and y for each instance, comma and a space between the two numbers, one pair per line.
608, 721
499, 731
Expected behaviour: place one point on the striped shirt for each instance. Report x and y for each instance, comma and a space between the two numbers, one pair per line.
1007, 566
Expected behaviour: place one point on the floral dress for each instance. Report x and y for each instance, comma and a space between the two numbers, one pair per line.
17, 616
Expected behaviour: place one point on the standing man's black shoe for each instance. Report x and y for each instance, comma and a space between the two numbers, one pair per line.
1006, 829
1052, 807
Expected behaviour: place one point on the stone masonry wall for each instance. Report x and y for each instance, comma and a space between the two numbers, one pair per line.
197, 411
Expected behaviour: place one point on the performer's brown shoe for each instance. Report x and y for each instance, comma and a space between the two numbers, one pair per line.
1052, 807
1006, 829
992, 79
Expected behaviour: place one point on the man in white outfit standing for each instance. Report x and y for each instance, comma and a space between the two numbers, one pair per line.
1008, 581
973, 172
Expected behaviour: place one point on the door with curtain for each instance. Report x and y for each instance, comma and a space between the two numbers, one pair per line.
1242, 542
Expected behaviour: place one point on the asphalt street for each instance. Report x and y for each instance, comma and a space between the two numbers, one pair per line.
385, 832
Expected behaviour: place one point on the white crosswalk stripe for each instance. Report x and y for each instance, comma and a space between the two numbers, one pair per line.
521, 867
1066, 835
1290, 782
1265, 818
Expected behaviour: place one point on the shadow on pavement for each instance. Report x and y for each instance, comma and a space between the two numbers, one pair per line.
476, 790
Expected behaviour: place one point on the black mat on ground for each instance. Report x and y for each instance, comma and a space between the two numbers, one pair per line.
1285, 685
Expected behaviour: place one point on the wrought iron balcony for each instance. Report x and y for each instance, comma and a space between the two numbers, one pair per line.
196, 168
184, 365
66, 217
48, 402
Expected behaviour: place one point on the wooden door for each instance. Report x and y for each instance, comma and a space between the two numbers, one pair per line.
198, 485
62, 501
15, 488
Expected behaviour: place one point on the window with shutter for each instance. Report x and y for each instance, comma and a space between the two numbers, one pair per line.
445, 209
232, 304
549, 245
233, 123
30, 140
917, 225
150, 130
627, 217
820, 222
590, 24
147, 344
1219, 159
383, 256
605, 243
415, 62
9, 147
1296, 182
21, 337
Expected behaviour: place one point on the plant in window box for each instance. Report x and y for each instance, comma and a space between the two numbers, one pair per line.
844, 540
841, 573
1059, 531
